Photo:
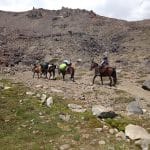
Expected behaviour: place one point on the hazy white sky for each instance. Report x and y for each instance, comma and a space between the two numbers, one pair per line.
121, 9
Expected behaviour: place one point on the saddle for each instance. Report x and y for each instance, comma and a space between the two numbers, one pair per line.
104, 68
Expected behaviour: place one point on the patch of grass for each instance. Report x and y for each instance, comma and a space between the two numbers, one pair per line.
122, 97
76, 137
119, 124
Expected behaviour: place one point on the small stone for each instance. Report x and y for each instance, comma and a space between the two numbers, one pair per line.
111, 131
105, 127
43, 98
121, 135
29, 93
85, 136
23, 125
65, 117
38, 95
40, 113
98, 129
39, 86
64, 147
101, 142
49, 102
6, 87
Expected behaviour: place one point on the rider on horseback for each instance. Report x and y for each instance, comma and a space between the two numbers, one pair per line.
64, 66
105, 61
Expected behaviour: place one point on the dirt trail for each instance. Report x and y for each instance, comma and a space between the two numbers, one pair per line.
134, 90
83, 89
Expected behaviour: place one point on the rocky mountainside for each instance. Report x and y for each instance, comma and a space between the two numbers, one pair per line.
45, 35
27, 111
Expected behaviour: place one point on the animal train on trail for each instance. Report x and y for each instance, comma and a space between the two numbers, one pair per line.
44, 69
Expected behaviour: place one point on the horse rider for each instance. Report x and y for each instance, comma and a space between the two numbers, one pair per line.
64, 66
104, 63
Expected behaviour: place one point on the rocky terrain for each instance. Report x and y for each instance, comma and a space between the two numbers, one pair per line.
80, 35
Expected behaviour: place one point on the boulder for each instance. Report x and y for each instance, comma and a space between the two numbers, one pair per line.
103, 112
135, 132
146, 85
143, 143
134, 108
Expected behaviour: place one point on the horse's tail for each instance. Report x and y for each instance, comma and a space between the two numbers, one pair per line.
114, 75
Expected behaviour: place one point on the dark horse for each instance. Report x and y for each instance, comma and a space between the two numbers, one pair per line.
69, 70
51, 70
104, 71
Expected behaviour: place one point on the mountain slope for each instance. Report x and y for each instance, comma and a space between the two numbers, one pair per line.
41, 34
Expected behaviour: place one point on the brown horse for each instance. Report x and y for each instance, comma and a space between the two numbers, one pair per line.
69, 70
37, 69
104, 71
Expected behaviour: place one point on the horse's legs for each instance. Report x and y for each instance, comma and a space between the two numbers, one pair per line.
94, 78
38, 75
50, 75
54, 74
110, 80
63, 76
46, 74
114, 80
33, 74
72, 76
101, 79
114, 76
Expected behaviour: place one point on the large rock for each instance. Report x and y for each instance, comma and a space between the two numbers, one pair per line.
103, 112
144, 143
134, 108
146, 85
135, 132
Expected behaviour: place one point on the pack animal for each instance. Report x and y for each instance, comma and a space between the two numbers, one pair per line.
68, 70
51, 71
37, 70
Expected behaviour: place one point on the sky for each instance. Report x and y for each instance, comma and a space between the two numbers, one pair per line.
130, 10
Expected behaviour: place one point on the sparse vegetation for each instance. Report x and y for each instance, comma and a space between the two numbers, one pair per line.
24, 122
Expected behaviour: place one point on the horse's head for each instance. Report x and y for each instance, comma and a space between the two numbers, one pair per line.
93, 65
